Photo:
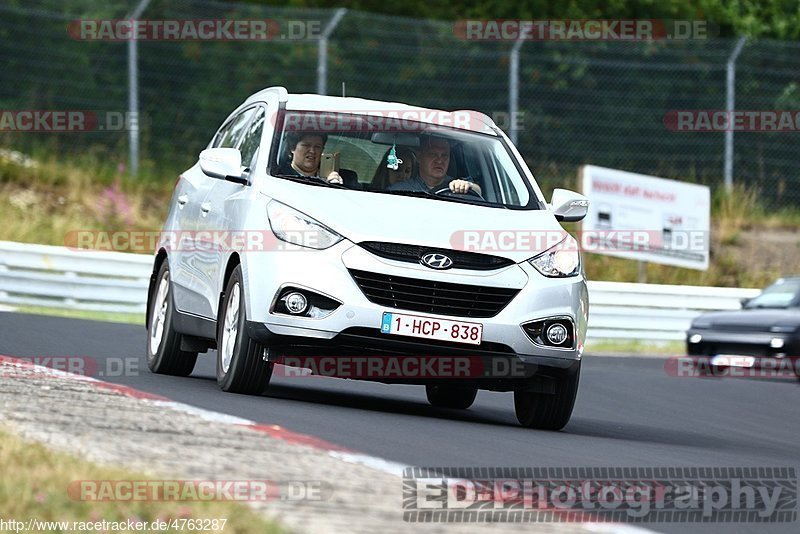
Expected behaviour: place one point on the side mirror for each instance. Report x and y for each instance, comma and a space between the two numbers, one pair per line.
745, 302
225, 163
569, 206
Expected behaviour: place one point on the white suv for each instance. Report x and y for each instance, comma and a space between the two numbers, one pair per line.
459, 260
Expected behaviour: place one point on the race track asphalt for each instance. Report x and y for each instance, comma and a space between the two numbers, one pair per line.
629, 412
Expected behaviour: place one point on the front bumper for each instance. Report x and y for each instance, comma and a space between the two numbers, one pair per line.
362, 353
705, 342
356, 323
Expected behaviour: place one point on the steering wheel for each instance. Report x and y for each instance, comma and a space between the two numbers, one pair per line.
447, 192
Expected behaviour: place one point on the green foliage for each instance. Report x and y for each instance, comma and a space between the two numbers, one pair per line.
603, 103
778, 19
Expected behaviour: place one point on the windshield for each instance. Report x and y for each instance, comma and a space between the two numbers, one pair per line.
401, 157
781, 294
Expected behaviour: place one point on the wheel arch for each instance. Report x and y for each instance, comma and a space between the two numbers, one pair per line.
233, 261
161, 256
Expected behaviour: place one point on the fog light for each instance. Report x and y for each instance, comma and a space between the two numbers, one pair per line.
776, 343
296, 302
695, 338
556, 333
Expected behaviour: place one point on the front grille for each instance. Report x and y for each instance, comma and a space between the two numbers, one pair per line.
412, 254
763, 328
429, 296
744, 349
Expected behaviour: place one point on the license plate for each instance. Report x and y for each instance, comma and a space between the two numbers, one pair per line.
430, 328
733, 360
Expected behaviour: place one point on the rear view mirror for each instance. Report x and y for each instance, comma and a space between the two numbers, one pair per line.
398, 138
569, 206
225, 163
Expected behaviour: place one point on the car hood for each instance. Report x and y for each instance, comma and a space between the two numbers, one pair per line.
750, 319
362, 216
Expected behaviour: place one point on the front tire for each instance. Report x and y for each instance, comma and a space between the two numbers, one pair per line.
164, 354
548, 411
447, 396
240, 364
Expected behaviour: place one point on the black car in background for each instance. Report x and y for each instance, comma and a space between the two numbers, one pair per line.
765, 332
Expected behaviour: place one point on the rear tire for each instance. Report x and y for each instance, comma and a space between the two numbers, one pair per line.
164, 354
447, 396
240, 364
548, 411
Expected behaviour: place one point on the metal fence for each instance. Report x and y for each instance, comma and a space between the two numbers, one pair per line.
58, 277
601, 103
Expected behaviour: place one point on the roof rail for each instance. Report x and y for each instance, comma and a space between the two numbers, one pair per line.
478, 114
280, 92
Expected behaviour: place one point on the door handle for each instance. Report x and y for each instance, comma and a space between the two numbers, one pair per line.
205, 207
182, 200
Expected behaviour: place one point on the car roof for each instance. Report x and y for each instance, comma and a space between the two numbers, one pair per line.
788, 277
467, 120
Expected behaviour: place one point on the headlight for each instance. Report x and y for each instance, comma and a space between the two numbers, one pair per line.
559, 261
291, 226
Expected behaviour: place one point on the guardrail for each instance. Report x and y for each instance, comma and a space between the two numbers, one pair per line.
42, 275
58, 277
654, 312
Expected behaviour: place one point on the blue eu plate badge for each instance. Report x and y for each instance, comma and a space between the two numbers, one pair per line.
386, 326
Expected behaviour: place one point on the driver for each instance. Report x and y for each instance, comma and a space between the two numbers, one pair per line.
434, 158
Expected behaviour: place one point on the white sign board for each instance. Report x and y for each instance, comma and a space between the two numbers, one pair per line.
645, 218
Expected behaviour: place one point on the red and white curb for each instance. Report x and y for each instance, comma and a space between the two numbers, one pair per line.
274, 431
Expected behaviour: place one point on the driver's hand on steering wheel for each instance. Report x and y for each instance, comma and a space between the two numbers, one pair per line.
463, 186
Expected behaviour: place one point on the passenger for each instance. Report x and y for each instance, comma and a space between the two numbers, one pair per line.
306, 150
384, 176
433, 158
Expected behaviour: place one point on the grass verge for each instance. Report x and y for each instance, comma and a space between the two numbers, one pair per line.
45, 202
127, 318
645, 348
35, 485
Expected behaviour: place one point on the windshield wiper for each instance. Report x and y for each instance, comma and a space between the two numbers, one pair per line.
464, 199
409, 193
311, 180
